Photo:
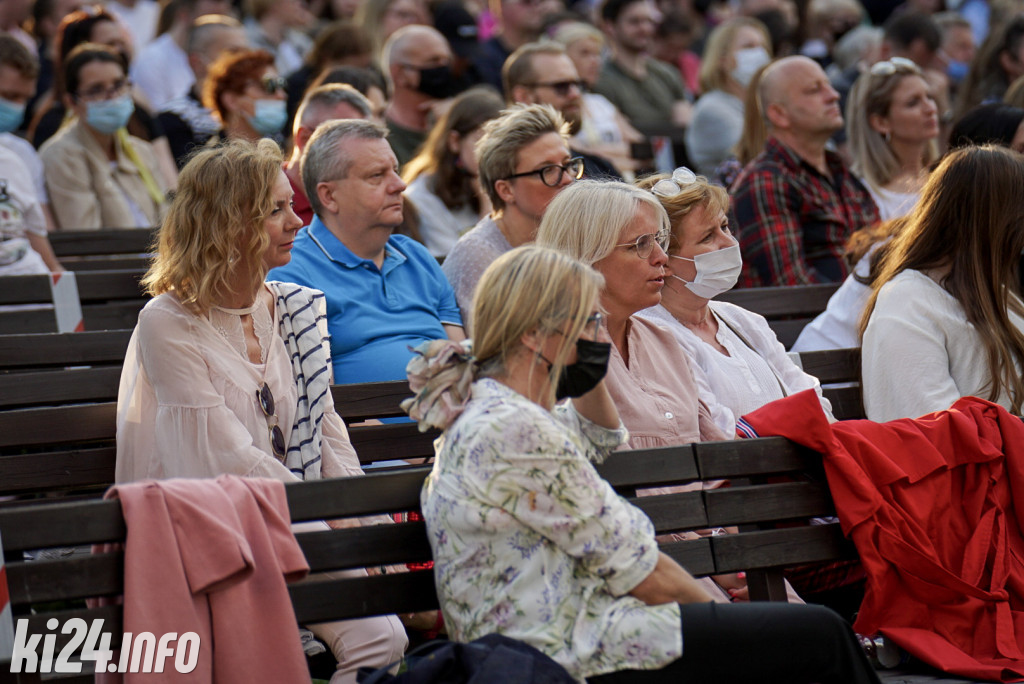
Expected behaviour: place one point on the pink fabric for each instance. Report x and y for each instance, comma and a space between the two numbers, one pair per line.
212, 557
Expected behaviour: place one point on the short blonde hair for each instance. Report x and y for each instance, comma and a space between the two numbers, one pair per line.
531, 288
872, 95
575, 31
498, 150
214, 227
585, 220
712, 75
699, 193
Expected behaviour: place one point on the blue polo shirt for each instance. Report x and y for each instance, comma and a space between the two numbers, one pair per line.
373, 314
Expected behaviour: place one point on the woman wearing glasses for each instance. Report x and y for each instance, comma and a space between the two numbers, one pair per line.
524, 162
97, 175
738, 363
529, 541
893, 128
245, 92
226, 374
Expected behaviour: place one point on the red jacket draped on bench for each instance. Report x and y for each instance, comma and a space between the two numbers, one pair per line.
930, 505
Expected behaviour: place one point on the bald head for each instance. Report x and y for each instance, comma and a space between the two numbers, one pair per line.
414, 44
796, 96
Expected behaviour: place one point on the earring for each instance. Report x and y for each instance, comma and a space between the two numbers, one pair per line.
887, 136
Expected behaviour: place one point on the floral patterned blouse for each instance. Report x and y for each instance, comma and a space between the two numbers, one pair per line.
531, 542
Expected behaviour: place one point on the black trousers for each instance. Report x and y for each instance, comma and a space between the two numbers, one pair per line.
759, 642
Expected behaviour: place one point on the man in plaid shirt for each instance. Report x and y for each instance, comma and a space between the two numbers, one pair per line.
796, 204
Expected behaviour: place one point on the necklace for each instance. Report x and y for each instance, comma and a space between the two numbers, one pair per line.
247, 311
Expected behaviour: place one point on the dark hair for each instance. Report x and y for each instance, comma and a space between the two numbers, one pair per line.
230, 74
87, 53
986, 78
903, 29
611, 9
75, 29
338, 41
468, 112
995, 123
17, 56
359, 78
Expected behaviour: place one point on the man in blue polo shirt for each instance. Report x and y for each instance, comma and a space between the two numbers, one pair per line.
384, 292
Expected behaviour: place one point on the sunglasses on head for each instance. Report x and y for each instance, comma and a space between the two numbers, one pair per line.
891, 66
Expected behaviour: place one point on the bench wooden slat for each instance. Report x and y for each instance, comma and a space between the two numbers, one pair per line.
650, 467
54, 471
361, 547
76, 578
777, 548
103, 241
92, 286
59, 387
340, 599
673, 512
370, 494
847, 402
370, 400
833, 365
740, 505
61, 524
57, 425
743, 457
806, 300
788, 330
392, 441
63, 349
695, 555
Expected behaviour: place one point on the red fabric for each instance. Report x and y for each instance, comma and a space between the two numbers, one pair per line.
929, 503
212, 557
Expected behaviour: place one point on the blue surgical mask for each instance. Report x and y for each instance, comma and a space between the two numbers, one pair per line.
11, 115
957, 71
107, 116
269, 116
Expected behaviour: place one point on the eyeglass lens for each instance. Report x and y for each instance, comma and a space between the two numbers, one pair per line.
272, 85
265, 398
552, 175
101, 93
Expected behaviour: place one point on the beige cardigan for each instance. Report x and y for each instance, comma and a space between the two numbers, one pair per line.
86, 191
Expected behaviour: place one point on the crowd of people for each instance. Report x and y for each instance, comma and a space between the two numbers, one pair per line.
530, 209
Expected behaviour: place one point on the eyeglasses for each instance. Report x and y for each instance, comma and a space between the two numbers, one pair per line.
593, 324
561, 88
271, 85
644, 244
891, 66
670, 187
265, 398
98, 92
551, 175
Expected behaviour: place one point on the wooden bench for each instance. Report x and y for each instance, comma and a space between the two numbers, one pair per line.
762, 549
104, 249
787, 309
110, 300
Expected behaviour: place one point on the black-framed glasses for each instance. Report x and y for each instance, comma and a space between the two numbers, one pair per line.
670, 187
561, 88
98, 93
644, 244
265, 398
891, 66
551, 175
272, 84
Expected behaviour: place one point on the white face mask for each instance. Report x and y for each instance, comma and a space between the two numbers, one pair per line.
748, 61
717, 271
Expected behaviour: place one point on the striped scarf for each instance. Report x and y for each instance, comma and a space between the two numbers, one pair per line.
302, 323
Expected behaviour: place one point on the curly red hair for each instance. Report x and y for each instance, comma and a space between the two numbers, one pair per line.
231, 73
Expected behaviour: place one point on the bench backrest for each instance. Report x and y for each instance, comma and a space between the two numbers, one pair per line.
104, 249
759, 551
111, 300
787, 309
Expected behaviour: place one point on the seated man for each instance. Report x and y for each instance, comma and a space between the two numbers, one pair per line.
796, 204
385, 292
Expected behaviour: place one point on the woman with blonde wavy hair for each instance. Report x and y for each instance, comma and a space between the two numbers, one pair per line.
945, 317
226, 374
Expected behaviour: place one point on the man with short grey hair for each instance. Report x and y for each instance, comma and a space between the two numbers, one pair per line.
324, 103
385, 292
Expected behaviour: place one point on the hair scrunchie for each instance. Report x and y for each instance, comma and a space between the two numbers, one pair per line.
440, 374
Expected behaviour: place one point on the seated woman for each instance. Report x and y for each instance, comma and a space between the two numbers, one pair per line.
97, 175
226, 374
945, 317
738, 363
444, 178
529, 540
247, 96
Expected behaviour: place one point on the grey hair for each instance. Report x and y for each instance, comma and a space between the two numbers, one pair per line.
323, 160
857, 43
498, 150
585, 220
202, 31
317, 103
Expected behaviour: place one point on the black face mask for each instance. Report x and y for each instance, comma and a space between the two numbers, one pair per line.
591, 365
438, 82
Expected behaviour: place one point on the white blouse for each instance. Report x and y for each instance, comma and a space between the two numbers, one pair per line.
920, 354
187, 403
750, 376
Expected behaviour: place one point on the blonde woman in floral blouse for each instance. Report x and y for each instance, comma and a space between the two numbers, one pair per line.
530, 542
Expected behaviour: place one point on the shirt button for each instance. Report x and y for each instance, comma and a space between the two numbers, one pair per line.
669, 415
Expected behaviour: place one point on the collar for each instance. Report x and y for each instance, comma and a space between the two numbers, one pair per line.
775, 148
335, 250
86, 139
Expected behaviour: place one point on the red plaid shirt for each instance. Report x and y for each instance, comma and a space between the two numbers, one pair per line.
792, 222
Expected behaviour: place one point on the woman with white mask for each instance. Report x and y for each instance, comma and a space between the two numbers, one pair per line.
735, 50
738, 363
